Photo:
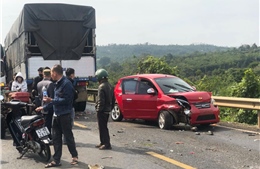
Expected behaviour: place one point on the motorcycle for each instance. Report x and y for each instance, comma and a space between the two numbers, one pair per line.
28, 131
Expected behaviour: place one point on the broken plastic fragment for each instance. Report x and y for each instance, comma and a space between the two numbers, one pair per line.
96, 166
179, 143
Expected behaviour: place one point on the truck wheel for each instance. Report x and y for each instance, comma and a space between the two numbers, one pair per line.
3, 130
165, 120
116, 114
80, 106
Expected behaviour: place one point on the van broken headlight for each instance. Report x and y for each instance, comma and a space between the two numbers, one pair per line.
187, 112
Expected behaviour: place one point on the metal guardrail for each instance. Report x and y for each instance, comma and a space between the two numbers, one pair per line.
238, 102
232, 102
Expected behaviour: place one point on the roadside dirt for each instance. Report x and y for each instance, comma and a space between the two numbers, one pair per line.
242, 126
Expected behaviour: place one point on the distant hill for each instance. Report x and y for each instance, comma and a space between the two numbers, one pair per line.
121, 52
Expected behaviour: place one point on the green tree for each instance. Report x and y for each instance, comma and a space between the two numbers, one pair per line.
249, 87
104, 61
151, 64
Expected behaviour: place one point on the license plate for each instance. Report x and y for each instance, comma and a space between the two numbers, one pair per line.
42, 132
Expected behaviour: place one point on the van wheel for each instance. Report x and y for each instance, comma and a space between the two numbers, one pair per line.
165, 120
116, 114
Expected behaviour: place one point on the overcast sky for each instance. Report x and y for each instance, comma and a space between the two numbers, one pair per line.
183, 22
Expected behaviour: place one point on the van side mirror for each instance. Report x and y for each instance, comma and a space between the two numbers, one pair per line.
151, 91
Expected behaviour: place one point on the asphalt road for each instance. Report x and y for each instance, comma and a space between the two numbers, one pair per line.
140, 145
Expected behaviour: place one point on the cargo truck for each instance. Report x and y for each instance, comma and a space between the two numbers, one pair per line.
46, 34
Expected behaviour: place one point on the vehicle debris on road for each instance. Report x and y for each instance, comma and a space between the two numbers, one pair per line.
210, 132
194, 129
96, 166
179, 143
107, 157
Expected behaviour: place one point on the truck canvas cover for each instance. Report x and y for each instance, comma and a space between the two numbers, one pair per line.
60, 30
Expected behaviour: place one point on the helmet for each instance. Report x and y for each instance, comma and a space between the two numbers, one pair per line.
101, 74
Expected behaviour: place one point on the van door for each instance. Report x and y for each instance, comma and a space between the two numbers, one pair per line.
146, 103
128, 95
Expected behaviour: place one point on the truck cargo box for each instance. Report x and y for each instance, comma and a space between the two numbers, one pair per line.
54, 32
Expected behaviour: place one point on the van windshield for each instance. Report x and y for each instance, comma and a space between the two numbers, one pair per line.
173, 85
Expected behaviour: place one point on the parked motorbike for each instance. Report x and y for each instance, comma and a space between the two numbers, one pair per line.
28, 132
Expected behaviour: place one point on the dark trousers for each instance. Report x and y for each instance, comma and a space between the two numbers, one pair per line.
103, 130
62, 125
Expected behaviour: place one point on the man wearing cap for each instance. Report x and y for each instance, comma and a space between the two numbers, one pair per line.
46, 109
104, 104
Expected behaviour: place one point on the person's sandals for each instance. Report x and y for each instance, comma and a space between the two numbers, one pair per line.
74, 161
99, 145
104, 147
52, 164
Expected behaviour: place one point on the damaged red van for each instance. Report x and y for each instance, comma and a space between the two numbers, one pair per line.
166, 99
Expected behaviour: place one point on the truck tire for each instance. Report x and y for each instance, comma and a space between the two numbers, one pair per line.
80, 106
165, 120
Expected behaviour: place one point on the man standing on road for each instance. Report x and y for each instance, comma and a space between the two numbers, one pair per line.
70, 74
62, 105
47, 109
36, 80
104, 105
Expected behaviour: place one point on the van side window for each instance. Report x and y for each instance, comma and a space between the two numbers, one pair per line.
144, 85
129, 86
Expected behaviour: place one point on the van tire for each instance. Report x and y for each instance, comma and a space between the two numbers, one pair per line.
116, 114
165, 120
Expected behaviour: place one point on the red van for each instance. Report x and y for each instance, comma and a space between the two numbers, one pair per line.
166, 99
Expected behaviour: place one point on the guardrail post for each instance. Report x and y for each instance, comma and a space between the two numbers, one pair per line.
258, 119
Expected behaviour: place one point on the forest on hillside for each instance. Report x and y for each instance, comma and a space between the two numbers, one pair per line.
121, 52
232, 72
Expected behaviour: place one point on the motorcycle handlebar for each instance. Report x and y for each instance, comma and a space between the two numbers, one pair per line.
17, 103
31, 105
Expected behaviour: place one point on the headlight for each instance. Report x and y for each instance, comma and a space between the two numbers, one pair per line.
187, 112
2, 84
212, 101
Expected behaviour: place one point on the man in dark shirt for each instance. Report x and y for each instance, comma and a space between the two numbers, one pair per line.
36, 80
105, 103
70, 74
62, 105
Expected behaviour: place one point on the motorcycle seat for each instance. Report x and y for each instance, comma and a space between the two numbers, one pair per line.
26, 120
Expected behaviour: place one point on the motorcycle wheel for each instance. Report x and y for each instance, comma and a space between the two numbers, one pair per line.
45, 152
